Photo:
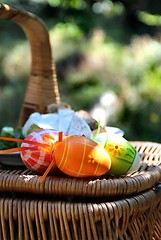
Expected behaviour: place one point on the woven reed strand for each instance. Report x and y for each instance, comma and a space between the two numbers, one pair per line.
131, 218
147, 176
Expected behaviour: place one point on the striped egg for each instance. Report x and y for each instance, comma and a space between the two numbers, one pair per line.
36, 158
47, 151
79, 156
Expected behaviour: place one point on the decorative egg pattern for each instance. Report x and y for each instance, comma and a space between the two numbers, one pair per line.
76, 156
124, 157
79, 156
36, 159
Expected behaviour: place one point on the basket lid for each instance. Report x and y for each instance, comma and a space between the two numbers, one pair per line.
148, 175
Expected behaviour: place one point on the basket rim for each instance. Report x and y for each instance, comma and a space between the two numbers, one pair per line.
25, 181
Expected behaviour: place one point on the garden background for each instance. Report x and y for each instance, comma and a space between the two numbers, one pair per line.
101, 48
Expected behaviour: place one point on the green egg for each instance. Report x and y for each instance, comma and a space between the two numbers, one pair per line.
124, 157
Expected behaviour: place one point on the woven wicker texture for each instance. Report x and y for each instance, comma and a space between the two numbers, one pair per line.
125, 208
130, 218
147, 176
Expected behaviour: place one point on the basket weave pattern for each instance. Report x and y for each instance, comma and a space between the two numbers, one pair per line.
125, 208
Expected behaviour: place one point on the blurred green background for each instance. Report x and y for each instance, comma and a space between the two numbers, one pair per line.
99, 47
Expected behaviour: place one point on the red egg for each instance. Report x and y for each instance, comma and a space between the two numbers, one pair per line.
37, 158
76, 156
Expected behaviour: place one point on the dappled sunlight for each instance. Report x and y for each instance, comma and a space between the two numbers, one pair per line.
95, 53
66, 37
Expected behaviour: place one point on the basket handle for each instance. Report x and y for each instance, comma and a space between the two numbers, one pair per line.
42, 89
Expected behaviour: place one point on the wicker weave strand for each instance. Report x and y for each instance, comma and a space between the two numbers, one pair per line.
36, 219
30, 183
148, 175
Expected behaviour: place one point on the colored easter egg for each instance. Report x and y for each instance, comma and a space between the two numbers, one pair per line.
124, 157
76, 156
79, 156
35, 158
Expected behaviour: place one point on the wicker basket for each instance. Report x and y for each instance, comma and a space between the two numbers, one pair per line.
69, 208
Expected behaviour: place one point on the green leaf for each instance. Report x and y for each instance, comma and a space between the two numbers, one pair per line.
12, 133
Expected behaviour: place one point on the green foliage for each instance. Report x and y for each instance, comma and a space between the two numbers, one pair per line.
11, 133
94, 52
67, 3
150, 19
142, 122
85, 89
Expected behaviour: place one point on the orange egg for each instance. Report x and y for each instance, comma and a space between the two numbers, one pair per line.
76, 156
79, 156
